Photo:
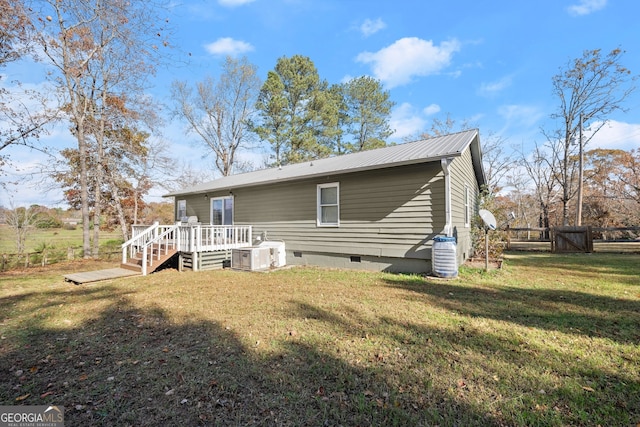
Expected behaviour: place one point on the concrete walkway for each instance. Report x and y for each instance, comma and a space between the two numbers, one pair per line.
96, 276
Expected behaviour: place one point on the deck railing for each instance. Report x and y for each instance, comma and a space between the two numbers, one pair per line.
210, 238
153, 240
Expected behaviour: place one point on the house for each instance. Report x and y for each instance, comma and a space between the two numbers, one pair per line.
375, 210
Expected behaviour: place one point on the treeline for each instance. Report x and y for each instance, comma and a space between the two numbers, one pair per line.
300, 115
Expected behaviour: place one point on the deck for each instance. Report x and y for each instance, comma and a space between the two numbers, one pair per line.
151, 245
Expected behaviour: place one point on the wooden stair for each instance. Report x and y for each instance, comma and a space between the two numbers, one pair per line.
135, 263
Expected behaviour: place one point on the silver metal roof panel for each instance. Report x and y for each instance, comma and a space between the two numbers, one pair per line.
422, 151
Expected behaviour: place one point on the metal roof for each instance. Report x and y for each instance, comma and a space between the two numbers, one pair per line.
422, 151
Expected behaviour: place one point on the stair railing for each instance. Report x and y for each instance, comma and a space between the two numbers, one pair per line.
167, 240
139, 240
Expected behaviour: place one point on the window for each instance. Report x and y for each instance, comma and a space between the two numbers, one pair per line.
222, 211
328, 205
181, 214
467, 206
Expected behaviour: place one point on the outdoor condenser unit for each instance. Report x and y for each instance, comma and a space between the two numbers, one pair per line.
251, 259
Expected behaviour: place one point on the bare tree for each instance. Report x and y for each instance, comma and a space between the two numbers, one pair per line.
22, 221
540, 166
97, 48
218, 111
495, 158
23, 113
589, 89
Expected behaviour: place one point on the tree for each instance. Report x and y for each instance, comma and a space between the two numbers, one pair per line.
540, 166
97, 48
297, 112
23, 113
15, 29
367, 108
22, 221
219, 111
630, 175
608, 199
589, 90
496, 161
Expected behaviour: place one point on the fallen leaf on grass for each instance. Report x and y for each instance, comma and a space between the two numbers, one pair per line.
588, 389
23, 397
83, 377
43, 395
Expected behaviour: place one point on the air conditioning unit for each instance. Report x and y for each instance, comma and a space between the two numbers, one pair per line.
251, 259
278, 254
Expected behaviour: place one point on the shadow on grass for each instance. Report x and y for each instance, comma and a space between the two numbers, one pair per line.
451, 368
570, 312
129, 366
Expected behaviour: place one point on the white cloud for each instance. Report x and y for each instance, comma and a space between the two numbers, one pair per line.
233, 3
397, 64
370, 27
615, 135
228, 46
520, 115
489, 89
585, 7
431, 109
406, 121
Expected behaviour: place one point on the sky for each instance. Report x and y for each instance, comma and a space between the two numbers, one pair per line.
487, 63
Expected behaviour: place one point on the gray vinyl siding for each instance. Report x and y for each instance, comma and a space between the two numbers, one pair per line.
392, 212
462, 173
387, 216
197, 205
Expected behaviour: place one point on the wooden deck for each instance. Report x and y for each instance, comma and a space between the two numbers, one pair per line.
96, 276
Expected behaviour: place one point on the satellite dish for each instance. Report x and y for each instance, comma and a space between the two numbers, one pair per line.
488, 218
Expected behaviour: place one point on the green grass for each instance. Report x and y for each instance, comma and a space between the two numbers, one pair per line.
549, 340
58, 237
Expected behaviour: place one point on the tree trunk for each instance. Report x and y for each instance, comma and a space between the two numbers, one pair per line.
84, 191
119, 210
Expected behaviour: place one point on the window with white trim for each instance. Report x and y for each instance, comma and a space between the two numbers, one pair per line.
328, 205
467, 206
222, 211
181, 211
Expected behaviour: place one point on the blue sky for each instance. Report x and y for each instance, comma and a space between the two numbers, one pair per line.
489, 63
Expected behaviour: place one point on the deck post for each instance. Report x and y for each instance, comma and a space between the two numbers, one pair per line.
194, 261
144, 260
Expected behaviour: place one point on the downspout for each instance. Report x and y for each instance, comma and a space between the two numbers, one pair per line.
448, 227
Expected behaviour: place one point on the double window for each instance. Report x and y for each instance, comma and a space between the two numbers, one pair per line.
328, 205
222, 211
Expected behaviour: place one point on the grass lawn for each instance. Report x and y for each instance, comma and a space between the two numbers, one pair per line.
549, 340
58, 237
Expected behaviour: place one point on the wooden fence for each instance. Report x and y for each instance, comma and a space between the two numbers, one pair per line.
574, 239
